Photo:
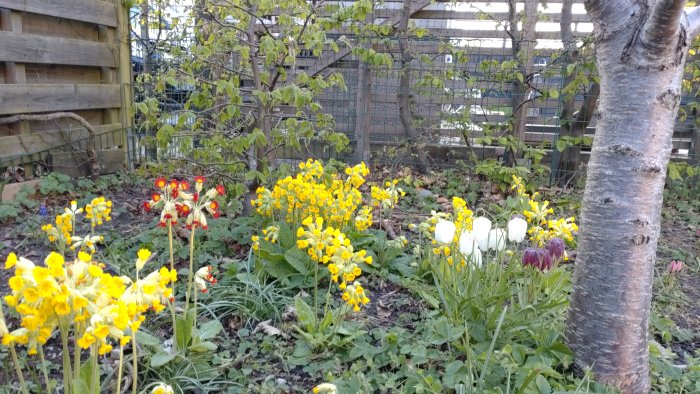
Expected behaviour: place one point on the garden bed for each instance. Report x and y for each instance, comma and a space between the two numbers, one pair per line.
403, 340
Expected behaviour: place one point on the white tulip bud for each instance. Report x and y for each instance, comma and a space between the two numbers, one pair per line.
445, 232
517, 230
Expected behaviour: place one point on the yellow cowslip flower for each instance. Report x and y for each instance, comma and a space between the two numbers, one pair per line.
538, 213
562, 228
355, 296
142, 257
271, 233
363, 220
162, 388
325, 388
86, 243
98, 211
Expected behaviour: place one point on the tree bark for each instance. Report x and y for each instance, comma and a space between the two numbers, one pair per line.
523, 44
363, 151
404, 94
145, 38
640, 56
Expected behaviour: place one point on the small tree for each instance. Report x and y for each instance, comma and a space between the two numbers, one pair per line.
249, 97
641, 49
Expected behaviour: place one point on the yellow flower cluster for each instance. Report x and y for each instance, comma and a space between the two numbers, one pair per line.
61, 234
463, 216
355, 296
271, 234
79, 294
98, 211
363, 219
541, 228
330, 246
313, 192
388, 197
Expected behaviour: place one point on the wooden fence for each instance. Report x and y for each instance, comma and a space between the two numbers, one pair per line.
452, 112
64, 56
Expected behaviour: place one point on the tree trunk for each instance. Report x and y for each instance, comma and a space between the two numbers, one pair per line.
404, 94
640, 56
568, 170
363, 114
146, 39
523, 44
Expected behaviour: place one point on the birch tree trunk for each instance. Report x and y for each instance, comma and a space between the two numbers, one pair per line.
641, 47
523, 44
404, 94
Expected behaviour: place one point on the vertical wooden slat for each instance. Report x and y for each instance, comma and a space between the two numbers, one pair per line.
14, 72
123, 37
108, 74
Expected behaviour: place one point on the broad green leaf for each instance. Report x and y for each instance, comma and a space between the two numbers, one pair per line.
209, 329
161, 358
298, 259
305, 315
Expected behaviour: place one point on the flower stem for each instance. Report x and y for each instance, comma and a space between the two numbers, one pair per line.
190, 274
121, 368
43, 368
67, 374
18, 370
172, 255
134, 372
95, 377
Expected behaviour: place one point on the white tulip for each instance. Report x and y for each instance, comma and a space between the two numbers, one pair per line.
466, 243
497, 239
517, 230
481, 228
445, 232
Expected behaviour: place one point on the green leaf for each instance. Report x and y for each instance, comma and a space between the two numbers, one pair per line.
554, 93
203, 347
86, 377
298, 259
305, 315
561, 145
183, 330
209, 329
80, 387
161, 358
144, 338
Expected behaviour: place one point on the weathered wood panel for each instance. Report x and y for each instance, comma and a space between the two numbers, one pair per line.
63, 55
17, 145
31, 48
16, 99
92, 11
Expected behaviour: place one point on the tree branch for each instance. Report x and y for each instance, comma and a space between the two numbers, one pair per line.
693, 22
91, 153
662, 25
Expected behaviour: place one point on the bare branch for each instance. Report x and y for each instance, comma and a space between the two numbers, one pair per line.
92, 155
662, 25
693, 22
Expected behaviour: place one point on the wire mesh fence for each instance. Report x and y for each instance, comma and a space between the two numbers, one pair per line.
471, 91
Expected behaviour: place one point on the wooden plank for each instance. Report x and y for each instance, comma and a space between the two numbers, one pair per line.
92, 11
43, 25
19, 145
61, 74
14, 73
126, 93
30, 48
16, 99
